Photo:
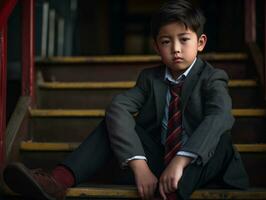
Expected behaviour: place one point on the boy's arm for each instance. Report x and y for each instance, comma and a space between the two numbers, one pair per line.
217, 118
120, 121
146, 181
172, 174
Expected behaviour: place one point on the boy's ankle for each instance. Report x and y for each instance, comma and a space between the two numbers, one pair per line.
64, 176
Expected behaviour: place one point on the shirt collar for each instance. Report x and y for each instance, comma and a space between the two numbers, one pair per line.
168, 75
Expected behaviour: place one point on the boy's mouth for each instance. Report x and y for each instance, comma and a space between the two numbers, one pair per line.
177, 59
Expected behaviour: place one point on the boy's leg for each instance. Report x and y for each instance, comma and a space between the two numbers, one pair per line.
154, 152
196, 176
92, 154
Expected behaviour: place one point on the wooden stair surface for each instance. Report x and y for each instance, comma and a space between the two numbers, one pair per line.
134, 58
123, 84
101, 113
126, 68
98, 94
131, 193
63, 146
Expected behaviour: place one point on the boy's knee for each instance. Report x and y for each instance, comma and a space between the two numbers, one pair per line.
182, 194
226, 137
225, 142
187, 183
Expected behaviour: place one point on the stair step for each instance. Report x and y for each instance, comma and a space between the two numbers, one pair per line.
122, 84
127, 68
63, 146
89, 95
74, 125
131, 193
101, 112
67, 113
134, 58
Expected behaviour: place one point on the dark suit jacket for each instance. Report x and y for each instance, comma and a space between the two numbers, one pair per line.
206, 114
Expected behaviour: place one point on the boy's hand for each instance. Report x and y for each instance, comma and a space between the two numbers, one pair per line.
172, 174
145, 180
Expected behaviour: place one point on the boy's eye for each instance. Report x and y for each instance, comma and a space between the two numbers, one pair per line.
185, 39
165, 42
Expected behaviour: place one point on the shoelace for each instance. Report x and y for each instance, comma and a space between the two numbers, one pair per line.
41, 172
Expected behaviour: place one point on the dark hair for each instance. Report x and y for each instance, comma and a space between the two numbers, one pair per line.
180, 11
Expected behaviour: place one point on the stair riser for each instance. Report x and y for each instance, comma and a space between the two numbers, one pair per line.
122, 71
100, 98
251, 162
245, 130
62, 129
249, 130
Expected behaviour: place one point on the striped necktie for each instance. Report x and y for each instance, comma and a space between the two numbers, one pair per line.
173, 138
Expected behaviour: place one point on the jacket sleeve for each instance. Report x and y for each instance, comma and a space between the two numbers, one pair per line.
120, 120
217, 118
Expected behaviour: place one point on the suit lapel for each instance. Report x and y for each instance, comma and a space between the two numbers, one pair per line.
190, 83
160, 90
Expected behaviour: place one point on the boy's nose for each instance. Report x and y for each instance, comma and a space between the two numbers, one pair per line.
176, 48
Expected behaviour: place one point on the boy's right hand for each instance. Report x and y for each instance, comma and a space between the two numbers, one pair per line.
146, 181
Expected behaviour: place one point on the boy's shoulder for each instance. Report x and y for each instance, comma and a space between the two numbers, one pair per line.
153, 72
208, 70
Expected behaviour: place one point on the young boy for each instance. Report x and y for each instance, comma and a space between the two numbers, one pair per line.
171, 131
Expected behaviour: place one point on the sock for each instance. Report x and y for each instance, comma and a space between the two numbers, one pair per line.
64, 176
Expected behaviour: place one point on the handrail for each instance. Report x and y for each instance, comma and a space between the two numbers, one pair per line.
5, 11
257, 60
3, 78
27, 60
264, 51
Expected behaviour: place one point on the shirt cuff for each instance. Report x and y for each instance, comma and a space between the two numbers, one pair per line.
188, 154
125, 164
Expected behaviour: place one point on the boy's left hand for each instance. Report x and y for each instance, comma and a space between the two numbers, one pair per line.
170, 177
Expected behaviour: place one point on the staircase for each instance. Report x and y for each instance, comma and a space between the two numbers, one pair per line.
72, 94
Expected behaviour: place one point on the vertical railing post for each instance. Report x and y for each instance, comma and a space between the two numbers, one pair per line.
3, 84
28, 38
250, 21
265, 50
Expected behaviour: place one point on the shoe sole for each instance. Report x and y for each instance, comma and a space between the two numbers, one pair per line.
17, 177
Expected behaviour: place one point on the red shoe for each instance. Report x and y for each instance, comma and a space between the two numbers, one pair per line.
35, 183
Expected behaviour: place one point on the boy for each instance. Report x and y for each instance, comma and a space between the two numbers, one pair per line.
179, 139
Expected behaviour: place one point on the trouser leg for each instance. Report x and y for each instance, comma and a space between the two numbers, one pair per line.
92, 154
95, 152
196, 176
154, 152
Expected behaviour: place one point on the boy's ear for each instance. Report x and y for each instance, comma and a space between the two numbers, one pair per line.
202, 42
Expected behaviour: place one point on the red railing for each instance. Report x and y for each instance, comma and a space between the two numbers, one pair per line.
257, 55
27, 38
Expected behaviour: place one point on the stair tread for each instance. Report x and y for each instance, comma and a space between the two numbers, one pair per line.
131, 192
123, 84
135, 58
70, 146
101, 112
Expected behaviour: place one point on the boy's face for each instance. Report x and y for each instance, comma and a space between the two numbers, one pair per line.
178, 46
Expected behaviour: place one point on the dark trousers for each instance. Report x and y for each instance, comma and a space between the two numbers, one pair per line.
95, 152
